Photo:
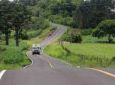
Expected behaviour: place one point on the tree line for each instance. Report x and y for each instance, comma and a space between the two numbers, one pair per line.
76, 13
13, 16
90, 13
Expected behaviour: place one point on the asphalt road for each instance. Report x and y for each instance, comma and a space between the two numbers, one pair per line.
46, 70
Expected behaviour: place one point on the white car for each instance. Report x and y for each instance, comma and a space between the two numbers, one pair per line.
36, 49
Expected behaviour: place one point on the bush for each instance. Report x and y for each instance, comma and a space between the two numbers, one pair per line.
32, 34
13, 57
105, 28
76, 38
24, 45
86, 32
67, 21
72, 36
56, 19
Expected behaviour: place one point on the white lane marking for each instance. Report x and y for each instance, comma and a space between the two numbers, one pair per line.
51, 65
2, 73
104, 72
30, 60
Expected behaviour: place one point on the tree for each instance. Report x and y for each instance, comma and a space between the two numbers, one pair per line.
21, 17
90, 13
105, 28
28, 2
5, 18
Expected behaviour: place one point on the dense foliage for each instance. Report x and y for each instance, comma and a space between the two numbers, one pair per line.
57, 11
28, 2
16, 16
105, 28
72, 36
75, 13
13, 16
92, 12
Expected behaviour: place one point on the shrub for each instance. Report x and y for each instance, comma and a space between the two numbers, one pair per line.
86, 32
56, 19
25, 46
105, 28
67, 21
33, 34
14, 58
74, 38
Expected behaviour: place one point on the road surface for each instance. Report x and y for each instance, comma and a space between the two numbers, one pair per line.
46, 70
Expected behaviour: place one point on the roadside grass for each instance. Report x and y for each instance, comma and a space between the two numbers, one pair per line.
34, 33
46, 32
12, 57
92, 52
85, 54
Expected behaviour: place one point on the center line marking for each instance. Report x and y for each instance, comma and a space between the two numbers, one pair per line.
2, 73
50, 64
104, 72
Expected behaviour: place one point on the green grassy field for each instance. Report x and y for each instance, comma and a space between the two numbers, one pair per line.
86, 54
92, 52
12, 57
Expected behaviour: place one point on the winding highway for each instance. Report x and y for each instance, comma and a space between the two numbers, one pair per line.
46, 70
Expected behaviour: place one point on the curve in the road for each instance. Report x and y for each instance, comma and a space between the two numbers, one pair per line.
40, 72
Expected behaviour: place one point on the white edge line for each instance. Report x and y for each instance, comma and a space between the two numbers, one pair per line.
30, 60
51, 65
2, 73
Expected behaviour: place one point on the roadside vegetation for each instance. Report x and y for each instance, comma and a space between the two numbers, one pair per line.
87, 47
18, 31
91, 37
87, 51
88, 42
84, 55
12, 57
